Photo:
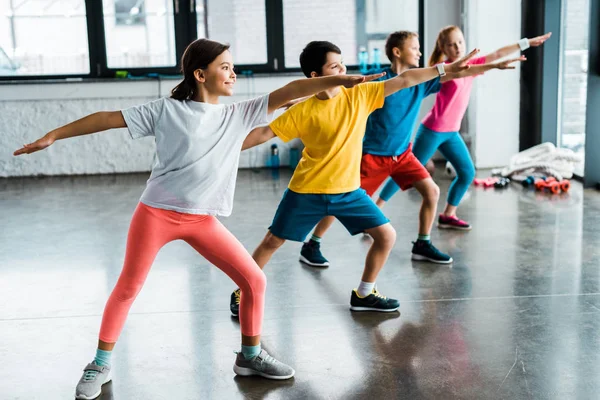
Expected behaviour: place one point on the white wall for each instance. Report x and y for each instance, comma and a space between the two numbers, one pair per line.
494, 108
28, 111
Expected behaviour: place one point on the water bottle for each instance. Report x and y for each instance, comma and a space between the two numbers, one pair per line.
363, 60
274, 159
376, 61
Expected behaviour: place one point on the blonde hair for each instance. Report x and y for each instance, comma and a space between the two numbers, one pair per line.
438, 53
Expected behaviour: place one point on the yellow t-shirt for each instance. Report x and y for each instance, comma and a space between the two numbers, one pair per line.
332, 131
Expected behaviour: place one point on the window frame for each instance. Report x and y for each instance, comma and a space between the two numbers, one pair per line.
185, 23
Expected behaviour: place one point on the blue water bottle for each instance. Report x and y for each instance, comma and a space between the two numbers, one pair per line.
294, 158
363, 60
376, 61
274, 158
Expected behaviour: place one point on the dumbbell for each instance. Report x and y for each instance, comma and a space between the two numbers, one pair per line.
502, 183
528, 181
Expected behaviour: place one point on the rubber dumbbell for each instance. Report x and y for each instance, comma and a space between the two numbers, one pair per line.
529, 181
502, 183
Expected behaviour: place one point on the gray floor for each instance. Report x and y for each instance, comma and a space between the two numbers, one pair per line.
516, 317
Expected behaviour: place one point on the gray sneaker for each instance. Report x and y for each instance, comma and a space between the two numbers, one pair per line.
90, 384
264, 365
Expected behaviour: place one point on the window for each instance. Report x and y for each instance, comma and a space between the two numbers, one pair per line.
52, 51
96, 38
241, 23
573, 77
129, 12
139, 33
357, 24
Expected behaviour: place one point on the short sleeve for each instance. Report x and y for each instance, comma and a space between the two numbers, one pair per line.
142, 120
254, 112
284, 126
477, 61
372, 94
432, 86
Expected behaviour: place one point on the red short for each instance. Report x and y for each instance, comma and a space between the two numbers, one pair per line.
404, 169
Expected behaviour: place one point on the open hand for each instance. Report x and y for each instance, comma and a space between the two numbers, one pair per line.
507, 63
349, 81
537, 41
38, 145
462, 63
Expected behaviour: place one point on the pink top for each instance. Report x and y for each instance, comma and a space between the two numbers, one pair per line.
451, 103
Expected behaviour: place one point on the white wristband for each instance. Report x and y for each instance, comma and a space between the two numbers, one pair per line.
523, 44
441, 70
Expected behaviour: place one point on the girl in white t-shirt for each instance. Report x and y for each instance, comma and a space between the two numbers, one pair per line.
198, 144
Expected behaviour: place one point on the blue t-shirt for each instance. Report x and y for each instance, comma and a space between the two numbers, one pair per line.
390, 128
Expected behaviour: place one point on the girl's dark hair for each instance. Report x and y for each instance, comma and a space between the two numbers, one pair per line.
197, 55
314, 56
397, 39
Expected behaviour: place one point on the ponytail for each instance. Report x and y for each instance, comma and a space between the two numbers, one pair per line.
436, 56
183, 91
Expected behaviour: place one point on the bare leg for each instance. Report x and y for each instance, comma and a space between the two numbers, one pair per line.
384, 237
450, 211
431, 194
323, 226
266, 249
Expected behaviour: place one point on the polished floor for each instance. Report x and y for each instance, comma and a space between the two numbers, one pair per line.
516, 317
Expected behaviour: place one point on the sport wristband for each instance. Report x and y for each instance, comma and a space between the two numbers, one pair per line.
523, 44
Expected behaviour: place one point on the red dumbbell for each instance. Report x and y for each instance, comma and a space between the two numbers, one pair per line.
551, 185
488, 182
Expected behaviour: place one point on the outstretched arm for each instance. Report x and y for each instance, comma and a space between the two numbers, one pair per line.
513, 48
481, 68
415, 76
309, 86
258, 136
96, 122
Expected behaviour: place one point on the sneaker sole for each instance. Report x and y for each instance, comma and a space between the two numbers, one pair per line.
251, 372
312, 264
443, 226
354, 308
418, 257
84, 397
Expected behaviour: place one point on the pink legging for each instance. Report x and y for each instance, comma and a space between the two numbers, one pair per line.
152, 228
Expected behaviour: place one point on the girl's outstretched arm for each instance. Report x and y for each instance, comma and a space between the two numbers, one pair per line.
415, 76
309, 86
522, 44
96, 122
482, 68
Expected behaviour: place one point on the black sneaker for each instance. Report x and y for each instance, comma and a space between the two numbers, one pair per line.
375, 301
311, 255
234, 304
424, 250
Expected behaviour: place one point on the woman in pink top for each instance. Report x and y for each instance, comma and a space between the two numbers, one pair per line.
439, 128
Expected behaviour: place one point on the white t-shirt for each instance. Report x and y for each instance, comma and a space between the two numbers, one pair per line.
197, 150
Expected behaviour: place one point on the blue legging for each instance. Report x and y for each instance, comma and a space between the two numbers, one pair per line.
453, 147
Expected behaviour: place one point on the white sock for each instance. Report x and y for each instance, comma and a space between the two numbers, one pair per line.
365, 288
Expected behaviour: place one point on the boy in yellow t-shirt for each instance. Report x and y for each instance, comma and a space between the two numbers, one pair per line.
331, 125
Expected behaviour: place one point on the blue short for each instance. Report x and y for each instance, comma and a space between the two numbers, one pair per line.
298, 213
